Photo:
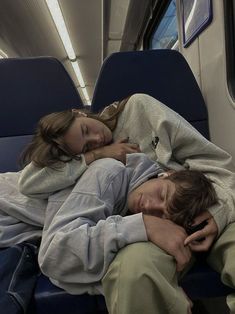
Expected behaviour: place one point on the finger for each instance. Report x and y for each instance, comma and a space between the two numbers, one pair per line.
203, 245
133, 145
122, 140
135, 149
195, 237
132, 148
199, 246
200, 218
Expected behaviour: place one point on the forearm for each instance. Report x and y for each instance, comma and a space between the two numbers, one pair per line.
82, 253
42, 182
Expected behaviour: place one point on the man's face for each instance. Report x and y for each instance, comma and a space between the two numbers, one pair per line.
151, 197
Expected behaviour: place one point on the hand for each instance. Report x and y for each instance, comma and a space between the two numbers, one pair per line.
169, 237
207, 234
117, 150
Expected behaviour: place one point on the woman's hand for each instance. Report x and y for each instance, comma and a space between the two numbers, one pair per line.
201, 241
117, 150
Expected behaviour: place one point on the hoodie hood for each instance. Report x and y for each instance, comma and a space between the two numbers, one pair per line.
141, 169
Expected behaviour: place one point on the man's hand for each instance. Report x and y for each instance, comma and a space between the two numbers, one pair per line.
202, 240
169, 237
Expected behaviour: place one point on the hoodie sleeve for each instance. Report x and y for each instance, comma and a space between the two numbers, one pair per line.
196, 152
182, 146
42, 182
83, 236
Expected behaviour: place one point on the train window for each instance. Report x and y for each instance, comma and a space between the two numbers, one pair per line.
163, 33
229, 10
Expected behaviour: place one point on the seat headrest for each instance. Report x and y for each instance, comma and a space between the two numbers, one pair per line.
163, 74
31, 88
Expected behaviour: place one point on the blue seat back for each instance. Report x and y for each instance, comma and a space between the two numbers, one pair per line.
163, 74
30, 88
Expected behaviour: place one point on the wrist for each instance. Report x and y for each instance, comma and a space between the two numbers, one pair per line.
90, 157
97, 153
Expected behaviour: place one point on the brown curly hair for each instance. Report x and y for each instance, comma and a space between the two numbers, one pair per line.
194, 194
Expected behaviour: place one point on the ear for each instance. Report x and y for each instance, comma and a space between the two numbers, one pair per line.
79, 113
163, 175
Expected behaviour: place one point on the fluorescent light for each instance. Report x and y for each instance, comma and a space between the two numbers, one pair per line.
78, 73
84, 91
57, 16
3, 54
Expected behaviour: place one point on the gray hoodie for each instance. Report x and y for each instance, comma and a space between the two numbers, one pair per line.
84, 230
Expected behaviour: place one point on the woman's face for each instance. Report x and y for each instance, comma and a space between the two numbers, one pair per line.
86, 134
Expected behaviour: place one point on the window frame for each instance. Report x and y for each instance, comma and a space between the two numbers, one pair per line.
229, 28
158, 13
199, 27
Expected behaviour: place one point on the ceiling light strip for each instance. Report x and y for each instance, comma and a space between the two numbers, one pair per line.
84, 90
3, 54
58, 19
78, 73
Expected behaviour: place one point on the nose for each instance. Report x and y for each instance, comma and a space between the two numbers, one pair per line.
153, 207
95, 140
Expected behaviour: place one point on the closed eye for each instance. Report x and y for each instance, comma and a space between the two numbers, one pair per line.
162, 195
85, 130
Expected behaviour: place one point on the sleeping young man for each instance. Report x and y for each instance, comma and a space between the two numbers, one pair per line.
112, 206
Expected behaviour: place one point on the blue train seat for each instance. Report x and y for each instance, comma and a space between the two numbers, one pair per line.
165, 75
29, 89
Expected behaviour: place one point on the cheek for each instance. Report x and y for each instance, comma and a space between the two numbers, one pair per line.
130, 201
109, 135
75, 148
96, 127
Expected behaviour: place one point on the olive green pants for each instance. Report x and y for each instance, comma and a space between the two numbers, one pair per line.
222, 259
143, 278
